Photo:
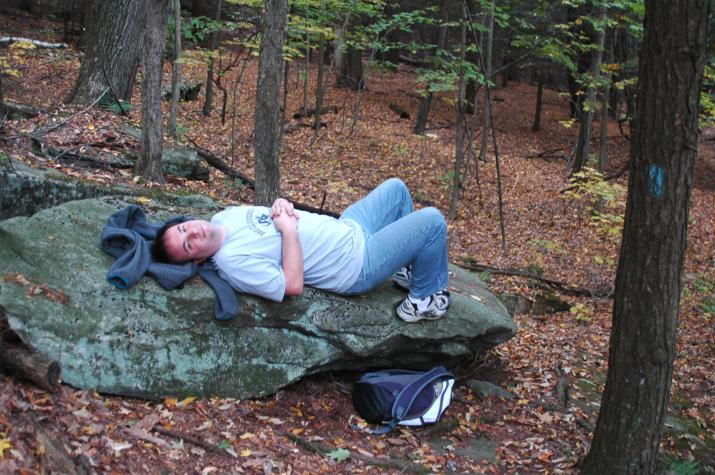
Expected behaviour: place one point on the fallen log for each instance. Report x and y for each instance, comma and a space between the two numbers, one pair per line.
562, 286
55, 445
43, 44
21, 360
399, 111
300, 113
219, 164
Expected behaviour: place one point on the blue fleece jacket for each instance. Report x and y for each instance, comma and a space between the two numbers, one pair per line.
127, 237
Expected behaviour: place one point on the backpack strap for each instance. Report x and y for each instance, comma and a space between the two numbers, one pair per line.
407, 396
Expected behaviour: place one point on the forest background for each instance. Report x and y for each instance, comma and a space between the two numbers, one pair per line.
513, 119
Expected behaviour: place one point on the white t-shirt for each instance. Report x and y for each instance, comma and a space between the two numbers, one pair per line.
250, 256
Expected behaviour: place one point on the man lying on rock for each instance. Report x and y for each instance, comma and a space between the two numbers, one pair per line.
273, 252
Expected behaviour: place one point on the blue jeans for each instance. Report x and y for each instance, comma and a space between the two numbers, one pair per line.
396, 237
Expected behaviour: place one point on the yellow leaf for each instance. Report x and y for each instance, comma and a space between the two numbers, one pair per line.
246, 435
297, 431
90, 126
143, 200
170, 402
246, 453
4, 445
186, 401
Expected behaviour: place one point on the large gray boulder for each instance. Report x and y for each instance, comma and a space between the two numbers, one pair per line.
152, 343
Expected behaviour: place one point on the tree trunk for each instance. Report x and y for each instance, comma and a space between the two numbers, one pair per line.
149, 165
583, 146
460, 125
649, 276
605, 93
113, 42
306, 71
176, 70
423, 114
539, 102
487, 73
213, 44
351, 70
267, 136
319, 83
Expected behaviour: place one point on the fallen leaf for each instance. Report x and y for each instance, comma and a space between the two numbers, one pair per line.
4, 445
339, 455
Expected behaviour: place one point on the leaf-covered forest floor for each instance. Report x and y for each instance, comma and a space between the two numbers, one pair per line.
301, 427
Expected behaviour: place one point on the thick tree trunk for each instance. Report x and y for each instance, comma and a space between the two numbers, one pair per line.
113, 43
351, 69
649, 278
583, 146
267, 136
149, 163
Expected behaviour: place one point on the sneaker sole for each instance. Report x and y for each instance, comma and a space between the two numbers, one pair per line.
416, 318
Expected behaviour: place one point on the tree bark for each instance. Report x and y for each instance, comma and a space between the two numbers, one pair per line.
176, 70
426, 103
487, 73
460, 125
583, 146
319, 83
149, 164
539, 102
649, 276
605, 93
267, 136
213, 45
113, 42
22, 361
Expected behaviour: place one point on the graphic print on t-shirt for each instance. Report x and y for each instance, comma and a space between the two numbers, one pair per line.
253, 222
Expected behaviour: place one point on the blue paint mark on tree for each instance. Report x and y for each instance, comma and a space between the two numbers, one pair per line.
655, 180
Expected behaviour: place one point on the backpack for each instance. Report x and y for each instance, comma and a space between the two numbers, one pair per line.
409, 398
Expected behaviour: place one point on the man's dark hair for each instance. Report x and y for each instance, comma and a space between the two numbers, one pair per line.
158, 247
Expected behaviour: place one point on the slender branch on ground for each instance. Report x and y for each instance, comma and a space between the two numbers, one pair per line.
43, 44
391, 463
193, 440
218, 163
40, 132
562, 286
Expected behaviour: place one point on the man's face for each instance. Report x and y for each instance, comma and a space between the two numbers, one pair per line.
194, 240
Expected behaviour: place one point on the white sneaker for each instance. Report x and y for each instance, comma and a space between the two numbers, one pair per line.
403, 277
429, 308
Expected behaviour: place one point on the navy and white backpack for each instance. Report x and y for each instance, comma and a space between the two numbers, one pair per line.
408, 398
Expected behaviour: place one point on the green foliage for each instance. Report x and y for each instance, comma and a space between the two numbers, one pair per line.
108, 103
707, 104
705, 286
536, 268
485, 276
602, 199
446, 179
402, 150
678, 466
581, 313
548, 245
225, 444
339, 455
13, 57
